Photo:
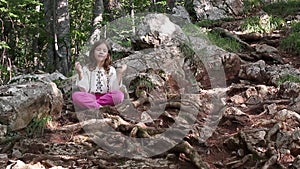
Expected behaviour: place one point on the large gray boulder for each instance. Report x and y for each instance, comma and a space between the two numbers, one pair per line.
181, 46
20, 102
214, 9
157, 30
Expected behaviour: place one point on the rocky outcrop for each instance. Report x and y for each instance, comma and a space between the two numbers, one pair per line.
26, 98
157, 30
179, 47
260, 72
214, 9
291, 90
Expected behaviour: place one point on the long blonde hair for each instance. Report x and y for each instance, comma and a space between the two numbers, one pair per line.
92, 61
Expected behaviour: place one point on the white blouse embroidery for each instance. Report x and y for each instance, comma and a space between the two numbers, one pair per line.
98, 81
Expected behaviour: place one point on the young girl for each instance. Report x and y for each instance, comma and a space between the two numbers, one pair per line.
99, 83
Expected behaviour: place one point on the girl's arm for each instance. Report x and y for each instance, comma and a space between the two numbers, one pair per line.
78, 69
83, 78
120, 72
116, 77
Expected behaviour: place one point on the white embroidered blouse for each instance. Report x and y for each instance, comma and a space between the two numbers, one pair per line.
98, 81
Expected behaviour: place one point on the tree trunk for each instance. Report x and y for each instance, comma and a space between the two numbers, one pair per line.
58, 25
98, 12
48, 6
97, 19
111, 6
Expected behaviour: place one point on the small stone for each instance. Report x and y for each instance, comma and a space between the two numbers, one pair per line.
16, 153
232, 143
3, 160
3, 130
240, 152
262, 90
219, 164
251, 92
17, 165
237, 99
272, 108
171, 157
173, 166
261, 135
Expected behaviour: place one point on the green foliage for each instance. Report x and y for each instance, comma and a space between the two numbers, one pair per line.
292, 42
81, 15
121, 30
37, 125
22, 35
141, 83
212, 23
208, 23
283, 8
249, 5
187, 50
225, 43
288, 78
263, 24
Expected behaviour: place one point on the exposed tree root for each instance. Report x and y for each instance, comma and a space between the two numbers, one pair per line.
191, 153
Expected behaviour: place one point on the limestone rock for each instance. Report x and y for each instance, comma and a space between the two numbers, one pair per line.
3, 130
192, 50
180, 14
276, 72
3, 160
46, 77
214, 9
260, 72
265, 49
289, 90
254, 71
157, 30
20, 103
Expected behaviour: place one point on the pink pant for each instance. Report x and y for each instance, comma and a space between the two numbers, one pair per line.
88, 100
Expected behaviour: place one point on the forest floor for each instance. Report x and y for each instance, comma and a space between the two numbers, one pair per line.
73, 149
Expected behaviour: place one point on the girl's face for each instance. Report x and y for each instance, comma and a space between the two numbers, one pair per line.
100, 53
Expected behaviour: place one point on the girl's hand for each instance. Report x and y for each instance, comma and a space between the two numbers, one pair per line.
120, 71
78, 68
122, 68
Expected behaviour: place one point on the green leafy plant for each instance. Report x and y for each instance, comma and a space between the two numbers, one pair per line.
37, 125
141, 84
283, 8
288, 78
225, 43
250, 5
264, 24
212, 23
22, 34
292, 42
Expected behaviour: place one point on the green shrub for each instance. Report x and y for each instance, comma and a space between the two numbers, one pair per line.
207, 23
265, 24
292, 42
283, 8
249, 5
288, 78
225, 43
37, 125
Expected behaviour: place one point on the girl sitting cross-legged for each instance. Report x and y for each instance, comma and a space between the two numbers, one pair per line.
98, 81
